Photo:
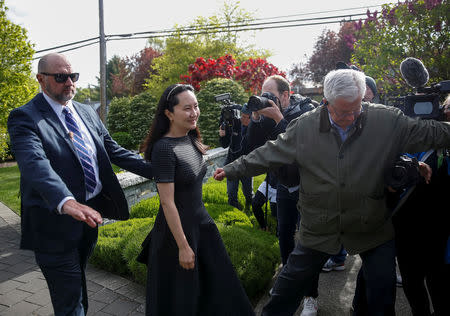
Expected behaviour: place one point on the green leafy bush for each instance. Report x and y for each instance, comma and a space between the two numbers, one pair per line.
215, 209
132, 115
254, 253
210, 109
112, 239
232, 217
145, 208
123, 139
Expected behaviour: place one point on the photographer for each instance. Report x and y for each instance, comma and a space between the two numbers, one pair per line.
267, 123
232, 134
422, 231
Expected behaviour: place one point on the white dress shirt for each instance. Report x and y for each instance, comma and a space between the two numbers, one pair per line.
90, 145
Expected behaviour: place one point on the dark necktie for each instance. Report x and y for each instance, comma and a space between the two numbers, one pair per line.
82, 151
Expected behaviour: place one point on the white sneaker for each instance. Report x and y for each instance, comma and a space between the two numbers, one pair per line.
309, 306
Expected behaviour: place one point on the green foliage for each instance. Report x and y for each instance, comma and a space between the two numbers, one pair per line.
137, 270
254, 254
417, 29
118, 115
112, 240
210, 109
232, 217
215, 209
132, 115
91, 93
16, 83
183, 48
123, 139
145, 208
215, 192
9, 188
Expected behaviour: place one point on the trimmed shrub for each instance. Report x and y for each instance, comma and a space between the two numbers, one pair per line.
123, 139
232, 217
215, 209
132, 115
254, 254
145, 208
210, 109
215, 192
137, 270
112, 239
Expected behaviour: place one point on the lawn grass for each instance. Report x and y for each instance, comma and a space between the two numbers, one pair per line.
9, 187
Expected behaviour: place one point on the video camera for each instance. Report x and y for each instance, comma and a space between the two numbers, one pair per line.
230, 112
424, 104
256, 103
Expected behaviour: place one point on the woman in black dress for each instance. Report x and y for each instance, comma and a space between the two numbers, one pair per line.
189, 271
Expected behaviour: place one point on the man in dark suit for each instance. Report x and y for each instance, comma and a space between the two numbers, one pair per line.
67, 184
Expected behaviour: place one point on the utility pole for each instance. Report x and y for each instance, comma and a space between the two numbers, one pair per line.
102, 64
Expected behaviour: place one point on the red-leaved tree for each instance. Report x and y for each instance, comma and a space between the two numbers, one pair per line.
251, 73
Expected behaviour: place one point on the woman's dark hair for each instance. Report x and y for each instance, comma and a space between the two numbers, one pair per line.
161, 124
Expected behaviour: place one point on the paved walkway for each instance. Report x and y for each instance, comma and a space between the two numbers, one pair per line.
23, 290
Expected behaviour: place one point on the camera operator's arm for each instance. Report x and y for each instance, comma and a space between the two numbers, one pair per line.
224, 137
273, 112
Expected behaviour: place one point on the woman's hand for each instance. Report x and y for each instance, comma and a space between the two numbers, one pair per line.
187, 258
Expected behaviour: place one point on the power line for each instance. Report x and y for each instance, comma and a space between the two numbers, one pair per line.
221, 28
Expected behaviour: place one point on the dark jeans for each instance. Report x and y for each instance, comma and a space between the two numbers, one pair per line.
375, 283
340, 257
65, 272
302, 270
65, 275
257, 203
232, 191
288, 218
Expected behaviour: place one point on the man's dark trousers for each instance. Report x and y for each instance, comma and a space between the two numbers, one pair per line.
288, 218
65, 272
304, 265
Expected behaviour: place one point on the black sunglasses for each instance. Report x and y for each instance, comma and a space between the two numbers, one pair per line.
61, 78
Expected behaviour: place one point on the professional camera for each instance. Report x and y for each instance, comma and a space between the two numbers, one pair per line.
230, 112
256, 103
424, 104
404, 173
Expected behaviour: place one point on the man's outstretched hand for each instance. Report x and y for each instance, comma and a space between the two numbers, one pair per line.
82, 213
219, 174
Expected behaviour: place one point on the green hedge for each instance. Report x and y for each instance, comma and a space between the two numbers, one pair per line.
254, 253
210, 109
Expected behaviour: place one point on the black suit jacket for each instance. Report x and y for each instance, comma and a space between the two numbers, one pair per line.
51, 170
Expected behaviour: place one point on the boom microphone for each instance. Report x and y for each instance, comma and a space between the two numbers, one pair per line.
414, 72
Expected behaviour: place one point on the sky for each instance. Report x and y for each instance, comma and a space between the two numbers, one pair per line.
50, 23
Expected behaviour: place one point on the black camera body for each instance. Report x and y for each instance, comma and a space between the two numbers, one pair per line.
256, 103
404, 173
425, 105
230, 112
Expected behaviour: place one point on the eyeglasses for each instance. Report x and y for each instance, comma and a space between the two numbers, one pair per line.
62, 78
346, 113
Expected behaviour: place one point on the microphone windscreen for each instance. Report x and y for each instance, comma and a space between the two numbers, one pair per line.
414, 72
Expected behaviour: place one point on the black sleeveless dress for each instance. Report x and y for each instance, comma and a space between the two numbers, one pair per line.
212, 287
